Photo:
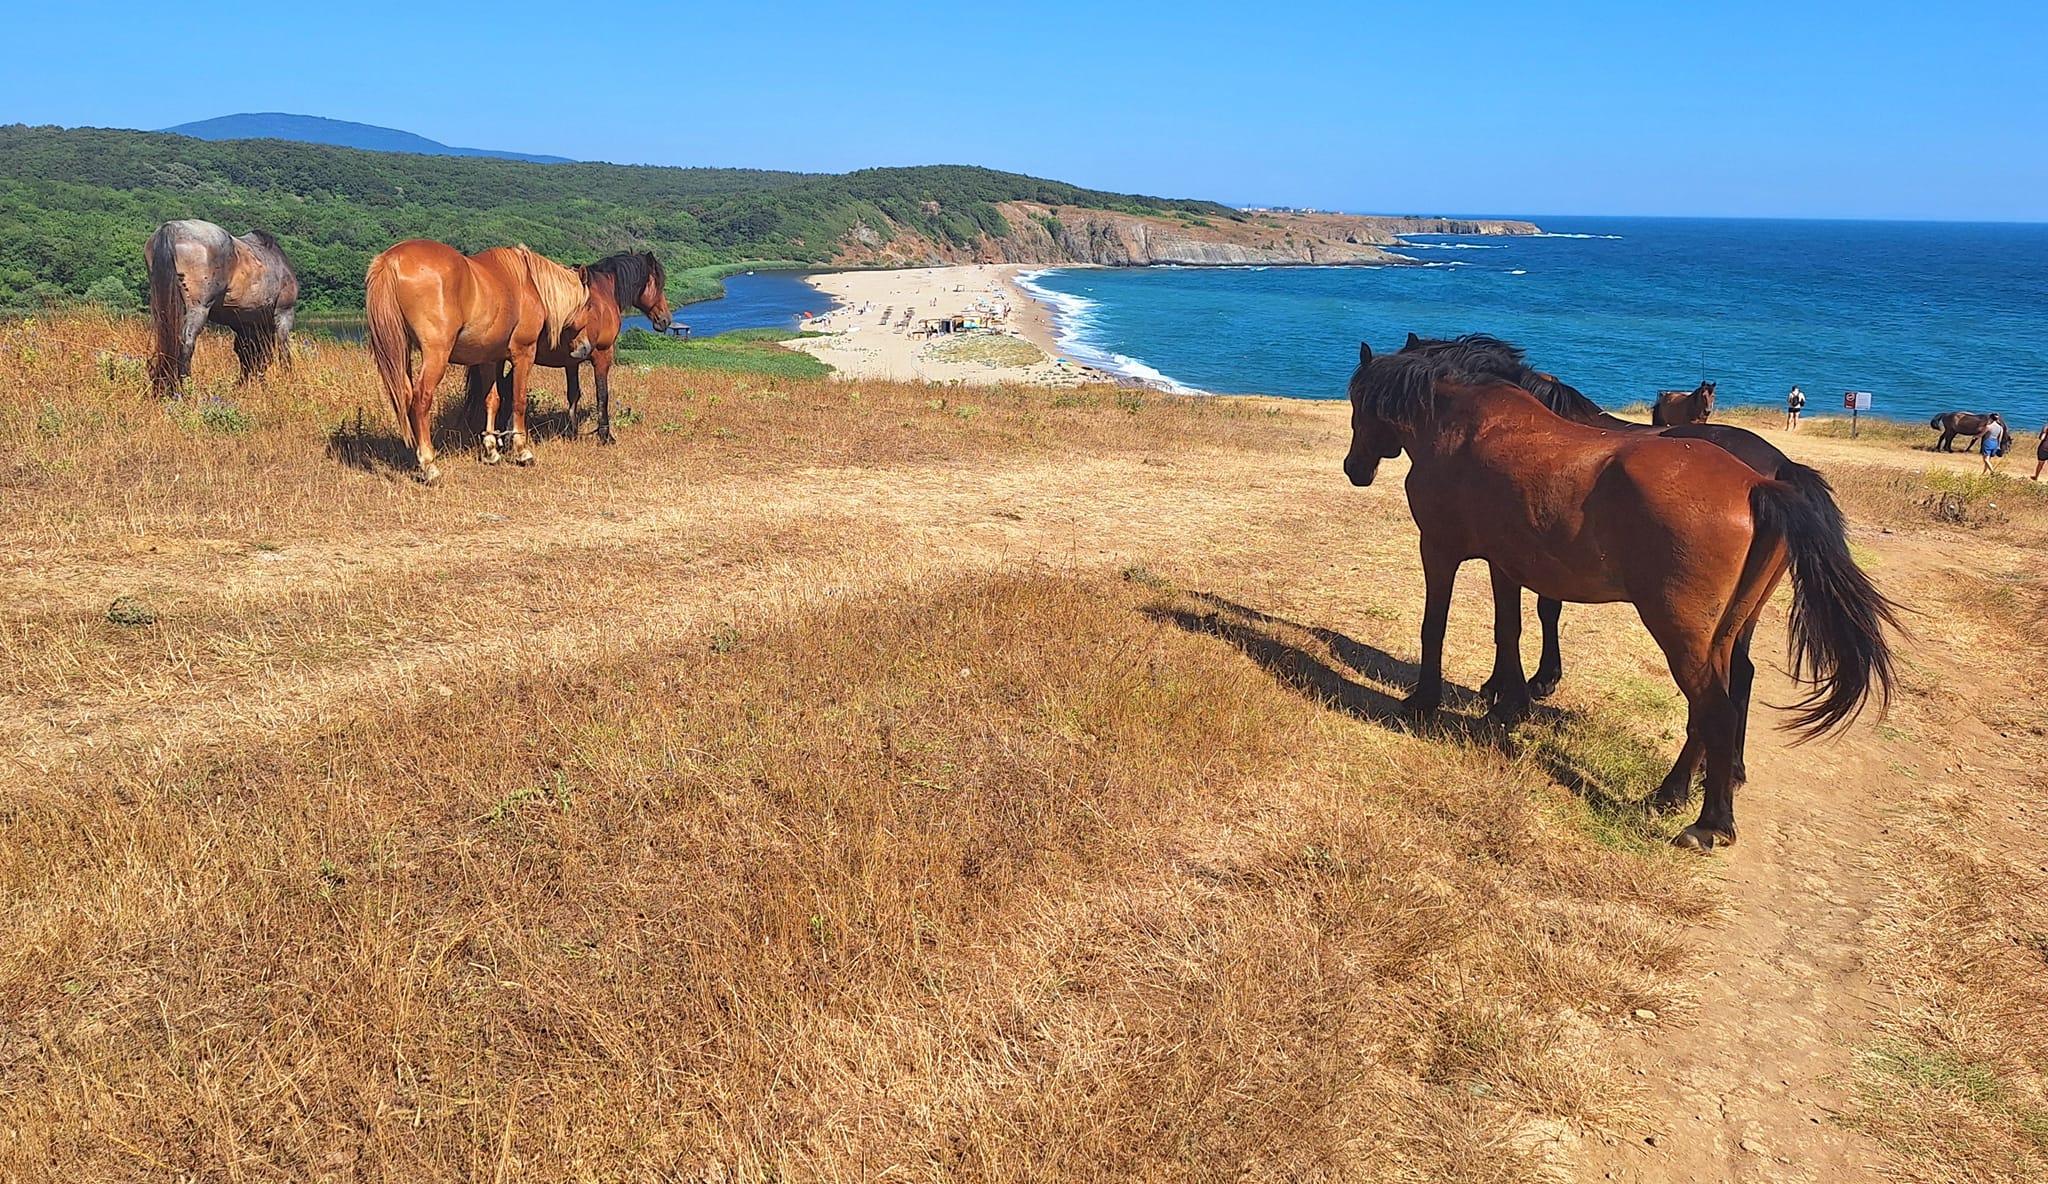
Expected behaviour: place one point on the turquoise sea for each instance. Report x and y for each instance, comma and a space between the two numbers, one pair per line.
1928, 317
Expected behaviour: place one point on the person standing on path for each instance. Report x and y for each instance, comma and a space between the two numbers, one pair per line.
1993, 439
2041, 452
1794, 404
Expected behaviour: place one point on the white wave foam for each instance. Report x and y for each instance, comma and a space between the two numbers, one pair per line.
1557, 234
1406, 246
1073, 319
1518, 271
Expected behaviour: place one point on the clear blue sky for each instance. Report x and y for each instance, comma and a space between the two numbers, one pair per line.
1868, 110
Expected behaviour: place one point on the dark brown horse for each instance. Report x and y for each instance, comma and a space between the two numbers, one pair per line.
201, 274
1958, 423
1504, 362
629, 279
1692, 537
1676, 407
485, 311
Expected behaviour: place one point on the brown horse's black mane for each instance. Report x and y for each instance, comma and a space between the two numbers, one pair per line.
630, 271
1401, 387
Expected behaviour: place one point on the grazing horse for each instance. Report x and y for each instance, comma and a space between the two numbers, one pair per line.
1676, 407
1958, 423
199, 273
629, 279
1504, 362
1692, 537
482, 311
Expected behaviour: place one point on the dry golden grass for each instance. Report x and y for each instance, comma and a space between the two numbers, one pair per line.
832, 781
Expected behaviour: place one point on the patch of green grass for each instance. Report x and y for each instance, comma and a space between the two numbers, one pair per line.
1613, 771
747, 351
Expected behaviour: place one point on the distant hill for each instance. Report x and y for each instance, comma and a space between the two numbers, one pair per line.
312, 129
77, 204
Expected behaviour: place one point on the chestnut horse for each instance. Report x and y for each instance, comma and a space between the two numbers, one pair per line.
483, 311
616, 281
199, 273
1692, 537
1503, 361
1676, 407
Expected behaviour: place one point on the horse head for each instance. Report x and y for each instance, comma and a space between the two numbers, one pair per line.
1373, 439
652, 298
1703, 400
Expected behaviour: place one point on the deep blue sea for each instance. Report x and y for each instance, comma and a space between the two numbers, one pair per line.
756, 300
1927, 316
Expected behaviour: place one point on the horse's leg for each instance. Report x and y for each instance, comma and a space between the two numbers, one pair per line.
1741, 678
1439, 574
248, 352
281, 344
496, 391
1549, 667
572, 382
522, 373
188, 341
1506, 689
1700, 665
601, 365
433, 363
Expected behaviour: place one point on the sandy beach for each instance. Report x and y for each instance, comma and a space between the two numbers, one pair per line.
880, 331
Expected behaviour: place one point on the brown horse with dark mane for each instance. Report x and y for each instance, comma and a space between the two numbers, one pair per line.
1958, 423
482, 311
1504, 362
1679, 407
1692, 537
201, 274
633, 279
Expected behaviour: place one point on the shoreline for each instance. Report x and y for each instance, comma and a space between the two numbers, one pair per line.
874, 330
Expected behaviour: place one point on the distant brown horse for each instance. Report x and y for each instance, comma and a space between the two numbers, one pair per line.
200, 274
629, 279
1676, 407
1692, 537
484, 311
1958, 423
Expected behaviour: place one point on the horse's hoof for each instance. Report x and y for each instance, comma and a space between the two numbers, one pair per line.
1702, 839
1669, 798
491, 458
1543, 686
524, 459
606, 437
429, 476
1421, 704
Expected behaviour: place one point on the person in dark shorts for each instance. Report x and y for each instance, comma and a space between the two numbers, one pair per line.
1993, 439
1794, 404
2041, 452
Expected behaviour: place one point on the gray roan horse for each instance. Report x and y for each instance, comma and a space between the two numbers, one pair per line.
199, 273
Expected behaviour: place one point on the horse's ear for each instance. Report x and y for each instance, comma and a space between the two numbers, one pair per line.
1413, 341
1364, 353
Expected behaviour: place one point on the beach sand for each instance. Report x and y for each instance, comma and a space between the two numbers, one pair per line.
866, 337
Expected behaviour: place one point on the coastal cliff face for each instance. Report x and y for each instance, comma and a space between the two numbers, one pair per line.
1053, 235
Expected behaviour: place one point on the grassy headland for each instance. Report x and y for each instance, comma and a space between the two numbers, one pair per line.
835, 780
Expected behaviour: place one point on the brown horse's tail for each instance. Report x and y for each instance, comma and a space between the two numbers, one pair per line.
166, 313
390, 343
1836, 633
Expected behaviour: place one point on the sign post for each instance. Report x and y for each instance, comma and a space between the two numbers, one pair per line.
1855, 401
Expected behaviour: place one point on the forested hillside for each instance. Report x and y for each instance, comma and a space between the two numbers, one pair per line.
77, 205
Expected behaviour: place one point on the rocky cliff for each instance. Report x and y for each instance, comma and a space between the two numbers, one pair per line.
1055, 235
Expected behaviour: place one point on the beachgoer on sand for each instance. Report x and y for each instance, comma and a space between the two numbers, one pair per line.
2041, 452
1993, 439
1794, 404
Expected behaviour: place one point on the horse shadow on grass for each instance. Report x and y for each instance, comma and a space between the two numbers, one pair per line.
1544, 735
372, 445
